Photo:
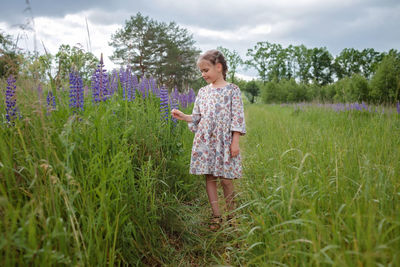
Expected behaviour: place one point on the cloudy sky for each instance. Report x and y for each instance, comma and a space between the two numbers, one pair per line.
235, 24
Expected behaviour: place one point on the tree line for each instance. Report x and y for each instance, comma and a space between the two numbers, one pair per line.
295, 74
168, 53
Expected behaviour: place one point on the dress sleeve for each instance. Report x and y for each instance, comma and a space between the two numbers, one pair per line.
196, 115
237, 122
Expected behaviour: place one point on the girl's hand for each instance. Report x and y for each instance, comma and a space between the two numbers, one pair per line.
234, 149
177, 114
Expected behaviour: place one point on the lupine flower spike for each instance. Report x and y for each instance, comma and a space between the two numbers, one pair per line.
11, 101
76, 91
164, 103
100, 83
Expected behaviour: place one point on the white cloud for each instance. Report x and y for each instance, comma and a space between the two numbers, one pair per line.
234, 24
70, 29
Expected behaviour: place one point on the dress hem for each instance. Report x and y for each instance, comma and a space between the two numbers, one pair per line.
231, 178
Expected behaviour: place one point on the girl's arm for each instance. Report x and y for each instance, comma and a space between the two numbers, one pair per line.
235, 144
177, 114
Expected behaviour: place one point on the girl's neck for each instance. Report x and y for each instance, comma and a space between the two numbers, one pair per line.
219, 83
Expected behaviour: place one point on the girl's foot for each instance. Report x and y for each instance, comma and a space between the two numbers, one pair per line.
215, 222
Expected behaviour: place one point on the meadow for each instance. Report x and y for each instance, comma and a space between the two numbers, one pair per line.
108, 184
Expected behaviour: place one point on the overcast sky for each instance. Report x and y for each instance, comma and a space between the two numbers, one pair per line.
236, 24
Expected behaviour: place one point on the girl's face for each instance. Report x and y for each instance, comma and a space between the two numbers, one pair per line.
210, 73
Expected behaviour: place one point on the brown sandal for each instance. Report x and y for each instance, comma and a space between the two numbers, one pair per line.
215, 222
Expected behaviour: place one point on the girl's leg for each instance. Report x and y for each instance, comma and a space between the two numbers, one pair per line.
227, 186
211, 188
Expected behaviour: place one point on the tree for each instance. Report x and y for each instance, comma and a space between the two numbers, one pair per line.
370, 61
321, 65
303, 61
347, 63
233, 60
151, 48
10, 59
75, 57
252, 89
385, 84
37, 66
176, 64
259, 59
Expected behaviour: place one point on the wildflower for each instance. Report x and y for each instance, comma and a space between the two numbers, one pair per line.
76, 91
51, 102
398, 107
11, 101
100, 83
364, 106
132, 86
113, 82
144, 88
164, 103
192, 96
129, 84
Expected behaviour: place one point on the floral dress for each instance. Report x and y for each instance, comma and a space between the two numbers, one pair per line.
217, 112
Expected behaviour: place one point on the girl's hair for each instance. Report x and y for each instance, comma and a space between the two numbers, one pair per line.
214, 56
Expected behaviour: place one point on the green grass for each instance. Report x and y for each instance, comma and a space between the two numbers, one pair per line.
110, 186
102, 187
321, 188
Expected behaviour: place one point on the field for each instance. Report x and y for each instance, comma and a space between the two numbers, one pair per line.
321, 187
109, 185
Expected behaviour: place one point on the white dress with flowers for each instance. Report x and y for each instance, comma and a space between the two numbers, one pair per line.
217, 112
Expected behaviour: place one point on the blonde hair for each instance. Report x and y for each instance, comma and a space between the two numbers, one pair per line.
214, 56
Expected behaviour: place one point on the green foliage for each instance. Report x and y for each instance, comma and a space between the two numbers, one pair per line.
91, 188
322, 189
321, 66
385, 84
351, 61
75, 57
233, 60
303, 60
10, 59
269, 60
252, 89
287, 91
37, 67
151, 48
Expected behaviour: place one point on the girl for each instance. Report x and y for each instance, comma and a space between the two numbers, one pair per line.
217, 120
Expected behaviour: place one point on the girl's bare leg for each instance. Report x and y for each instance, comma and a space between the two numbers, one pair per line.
211, 188
227, 186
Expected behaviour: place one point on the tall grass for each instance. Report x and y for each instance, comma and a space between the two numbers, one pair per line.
98, 187
321, 188
110, 186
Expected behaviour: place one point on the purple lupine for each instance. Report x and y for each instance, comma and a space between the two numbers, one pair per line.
76, 97
398, 107
99, 83
192, 96
364, 105
129, 84
11, 101
164, 103
113, 82
132, 86
156, 91
153, 85
51, 102
143, 87
183, 100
